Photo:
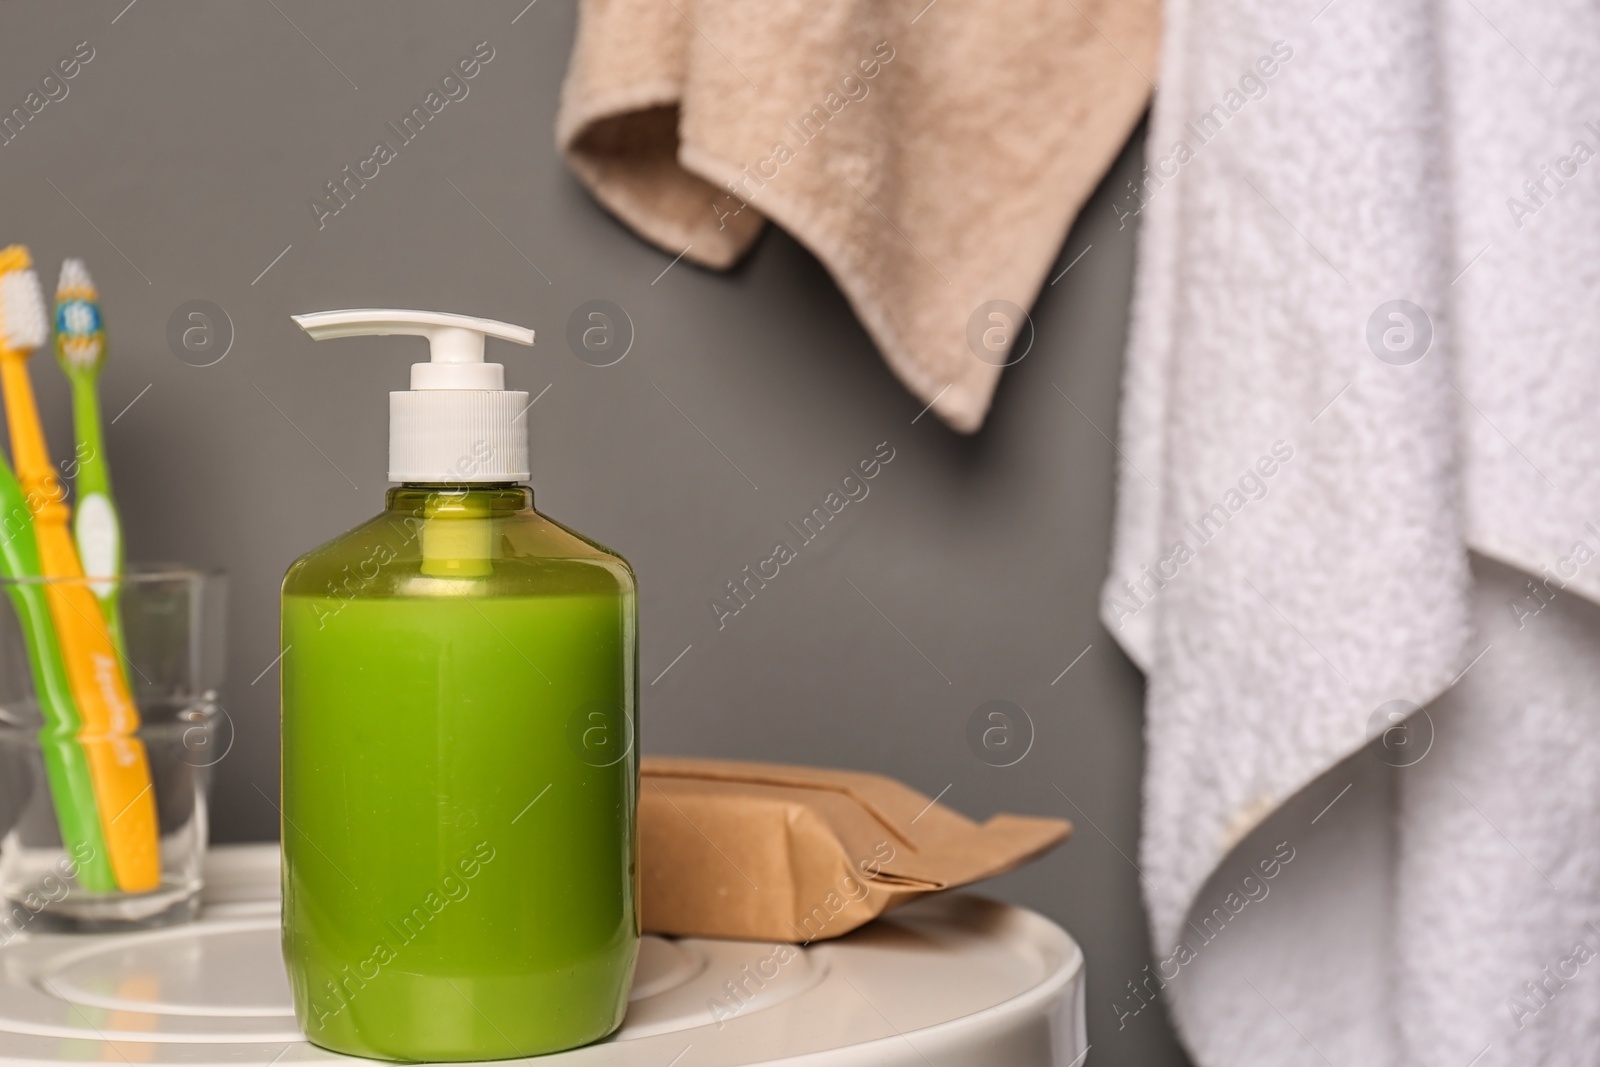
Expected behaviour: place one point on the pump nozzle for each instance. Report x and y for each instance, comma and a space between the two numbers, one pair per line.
458, 422
455, 341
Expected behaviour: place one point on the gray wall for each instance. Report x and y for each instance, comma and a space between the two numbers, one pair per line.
180, 164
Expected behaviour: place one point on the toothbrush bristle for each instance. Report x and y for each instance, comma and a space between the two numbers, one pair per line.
82, 353
75, 281
24, 323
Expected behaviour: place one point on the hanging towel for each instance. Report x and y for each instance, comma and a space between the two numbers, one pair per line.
1363, 349
931, 154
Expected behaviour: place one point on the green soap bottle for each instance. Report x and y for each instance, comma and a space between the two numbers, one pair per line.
460, 779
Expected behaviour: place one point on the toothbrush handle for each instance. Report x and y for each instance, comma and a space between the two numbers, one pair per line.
66, 763
96, 527
117, 760
71, 783
46, 499
93, 473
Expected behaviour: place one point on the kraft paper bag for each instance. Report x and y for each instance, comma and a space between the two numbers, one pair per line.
769, 852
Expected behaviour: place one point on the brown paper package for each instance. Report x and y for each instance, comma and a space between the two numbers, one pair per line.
769, 852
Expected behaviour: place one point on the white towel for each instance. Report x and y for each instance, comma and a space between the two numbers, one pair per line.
1298, 496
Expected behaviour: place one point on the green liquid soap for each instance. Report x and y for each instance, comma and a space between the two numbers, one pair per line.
459, 781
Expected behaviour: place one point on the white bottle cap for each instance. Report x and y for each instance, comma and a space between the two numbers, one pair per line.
458, 422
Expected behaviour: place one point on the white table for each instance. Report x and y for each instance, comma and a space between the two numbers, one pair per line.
950, 981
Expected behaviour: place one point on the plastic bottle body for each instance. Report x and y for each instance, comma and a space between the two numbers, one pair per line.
459, 782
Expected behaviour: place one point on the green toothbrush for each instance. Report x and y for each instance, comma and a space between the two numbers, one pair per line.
66, 762
81, 350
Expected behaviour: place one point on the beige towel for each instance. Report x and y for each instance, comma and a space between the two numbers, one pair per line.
932, 155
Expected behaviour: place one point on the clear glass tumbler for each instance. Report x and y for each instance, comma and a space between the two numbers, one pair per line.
171, 636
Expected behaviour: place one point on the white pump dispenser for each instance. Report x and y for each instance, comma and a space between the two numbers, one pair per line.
458, 422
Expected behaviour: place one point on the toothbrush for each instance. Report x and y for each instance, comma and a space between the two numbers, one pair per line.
66, 763
117, 759
81, 350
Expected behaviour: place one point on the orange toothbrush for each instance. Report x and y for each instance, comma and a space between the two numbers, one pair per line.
117, 760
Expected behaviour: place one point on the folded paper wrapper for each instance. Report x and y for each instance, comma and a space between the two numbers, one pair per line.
769, 852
